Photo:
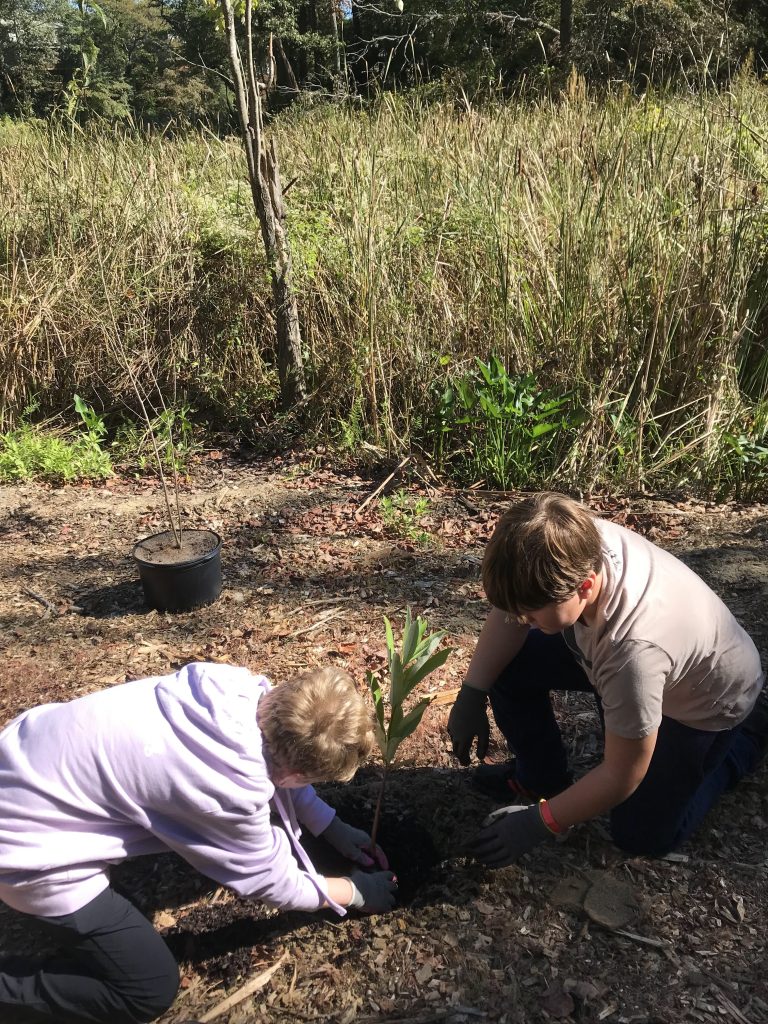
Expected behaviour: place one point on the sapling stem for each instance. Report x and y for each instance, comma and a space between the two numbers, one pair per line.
116, 342
406, 668
377, 812
175, 530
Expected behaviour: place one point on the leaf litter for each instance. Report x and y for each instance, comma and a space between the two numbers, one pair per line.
308, 576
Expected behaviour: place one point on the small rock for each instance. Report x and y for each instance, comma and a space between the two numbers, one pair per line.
570, 892
610, 902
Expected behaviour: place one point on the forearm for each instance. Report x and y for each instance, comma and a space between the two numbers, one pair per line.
500, 640
311, 812
597, 792
339, 890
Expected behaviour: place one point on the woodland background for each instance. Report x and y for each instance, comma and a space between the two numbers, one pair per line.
529, 242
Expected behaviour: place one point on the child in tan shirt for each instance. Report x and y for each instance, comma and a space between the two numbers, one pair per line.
584, 604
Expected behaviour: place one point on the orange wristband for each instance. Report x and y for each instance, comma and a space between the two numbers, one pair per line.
549, 819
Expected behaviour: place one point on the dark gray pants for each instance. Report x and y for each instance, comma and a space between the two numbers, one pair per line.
115, 969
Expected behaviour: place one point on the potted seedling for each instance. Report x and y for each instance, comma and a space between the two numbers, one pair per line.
180, 567
406, 668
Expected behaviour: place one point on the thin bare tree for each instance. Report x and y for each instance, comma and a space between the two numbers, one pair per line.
267, 192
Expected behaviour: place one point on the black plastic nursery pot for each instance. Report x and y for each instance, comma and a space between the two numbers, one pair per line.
180, 579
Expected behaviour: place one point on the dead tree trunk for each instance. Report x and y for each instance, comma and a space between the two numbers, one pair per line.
267, 195
566, 26
336, 42
290, 74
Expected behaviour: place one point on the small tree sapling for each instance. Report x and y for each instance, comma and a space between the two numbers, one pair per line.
406, 668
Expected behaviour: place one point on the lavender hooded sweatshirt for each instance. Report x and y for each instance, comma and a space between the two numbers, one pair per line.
168, 763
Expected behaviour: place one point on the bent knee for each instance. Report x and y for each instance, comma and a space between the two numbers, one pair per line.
156, 997
642, 841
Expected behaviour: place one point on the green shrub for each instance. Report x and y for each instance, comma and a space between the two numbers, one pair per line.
31, 452
401, 513
174, 433
501, 428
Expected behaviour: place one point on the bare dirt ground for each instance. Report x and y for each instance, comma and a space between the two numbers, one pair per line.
308, 577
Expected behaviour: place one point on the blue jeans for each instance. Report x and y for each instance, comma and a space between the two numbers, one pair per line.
116, 969
689, 770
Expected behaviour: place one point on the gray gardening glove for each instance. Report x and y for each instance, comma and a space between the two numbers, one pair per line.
468, 719
354, 844
507, 834
374, 893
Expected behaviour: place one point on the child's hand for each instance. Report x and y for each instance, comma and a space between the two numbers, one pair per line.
468, 721
373, 893
509, 833
354, 844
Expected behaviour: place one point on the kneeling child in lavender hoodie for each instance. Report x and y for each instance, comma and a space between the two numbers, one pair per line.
196, 762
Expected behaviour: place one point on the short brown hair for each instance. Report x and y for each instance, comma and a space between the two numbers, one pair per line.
316, 725
542, 550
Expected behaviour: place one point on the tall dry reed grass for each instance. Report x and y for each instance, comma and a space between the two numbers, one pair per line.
613, 247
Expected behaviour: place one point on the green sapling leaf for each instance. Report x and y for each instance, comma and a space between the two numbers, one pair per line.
407, 668
389, 635
428, 666
378, 705
410, 722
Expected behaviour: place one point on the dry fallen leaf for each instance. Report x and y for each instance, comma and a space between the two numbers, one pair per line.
423, 974
581, 989
557, 1002
484, 908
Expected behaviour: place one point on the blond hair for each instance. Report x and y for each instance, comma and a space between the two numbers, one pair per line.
542, 550
316, 725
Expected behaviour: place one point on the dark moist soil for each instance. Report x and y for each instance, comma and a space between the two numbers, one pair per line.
162, 549
307, 579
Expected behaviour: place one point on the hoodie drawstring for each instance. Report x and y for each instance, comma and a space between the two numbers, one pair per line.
287, 812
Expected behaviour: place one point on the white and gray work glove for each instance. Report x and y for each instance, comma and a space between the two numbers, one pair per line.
374, 893
507, 834
354, 844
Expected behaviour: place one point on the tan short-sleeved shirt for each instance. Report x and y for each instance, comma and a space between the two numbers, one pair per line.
663, 643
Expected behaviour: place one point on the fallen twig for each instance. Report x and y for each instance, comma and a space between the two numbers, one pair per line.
428, 476
642, 939
482, 492
332, 613
732, 1009
472, 509
380, 488
242, 993
50, 608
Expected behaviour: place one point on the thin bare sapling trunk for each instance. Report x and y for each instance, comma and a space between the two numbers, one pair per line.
267, 195
337, 43
123, 355
115, 340
406, 668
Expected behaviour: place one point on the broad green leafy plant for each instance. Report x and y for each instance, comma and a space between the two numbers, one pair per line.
40, 450
503, 428
417, 657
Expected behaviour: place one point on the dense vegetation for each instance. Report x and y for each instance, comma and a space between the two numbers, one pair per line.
570, 288
161, 60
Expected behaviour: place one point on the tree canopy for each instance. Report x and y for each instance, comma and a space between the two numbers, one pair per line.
158, 60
